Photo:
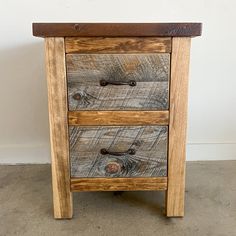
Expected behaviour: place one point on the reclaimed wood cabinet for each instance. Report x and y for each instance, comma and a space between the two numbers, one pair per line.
117, 97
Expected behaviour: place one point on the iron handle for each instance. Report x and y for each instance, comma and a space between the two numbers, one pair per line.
104, 82
130, 151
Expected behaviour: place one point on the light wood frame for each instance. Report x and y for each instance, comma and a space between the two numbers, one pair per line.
118, 184
57, 104
177, 126
118, 118
118, 45
59, 118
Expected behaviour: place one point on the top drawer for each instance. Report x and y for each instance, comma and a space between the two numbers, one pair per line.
148, 72
111, 79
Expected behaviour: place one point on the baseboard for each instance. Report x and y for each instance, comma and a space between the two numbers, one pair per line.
40, 154
211, 151
32, 154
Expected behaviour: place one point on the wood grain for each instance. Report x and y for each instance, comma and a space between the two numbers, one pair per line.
149, 142
150, 71
117, 29
117, 45
118, 118
177, 126
57, 102
118, 184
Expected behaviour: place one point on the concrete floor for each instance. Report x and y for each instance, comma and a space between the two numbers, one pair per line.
26, 206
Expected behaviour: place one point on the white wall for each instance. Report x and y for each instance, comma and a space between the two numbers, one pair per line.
24, 135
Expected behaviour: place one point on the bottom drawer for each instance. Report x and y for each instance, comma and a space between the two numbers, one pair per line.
118, 151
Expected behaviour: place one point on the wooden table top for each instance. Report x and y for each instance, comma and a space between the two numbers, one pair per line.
117, 29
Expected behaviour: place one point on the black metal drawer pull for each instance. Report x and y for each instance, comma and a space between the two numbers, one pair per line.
130, 151
106, 82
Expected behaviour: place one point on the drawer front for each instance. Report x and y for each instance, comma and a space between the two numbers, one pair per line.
149, 71
118, 151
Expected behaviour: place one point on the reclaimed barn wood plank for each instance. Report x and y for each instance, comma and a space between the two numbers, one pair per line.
150, 71
149, 143
117, 45
177, 127
118, 184
57, 102
118, 118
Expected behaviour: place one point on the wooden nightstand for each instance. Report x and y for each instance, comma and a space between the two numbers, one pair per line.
117, 97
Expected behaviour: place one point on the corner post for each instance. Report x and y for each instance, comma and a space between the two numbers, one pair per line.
57, 105
177, 126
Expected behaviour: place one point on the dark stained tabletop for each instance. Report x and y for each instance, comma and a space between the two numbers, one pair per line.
117, 29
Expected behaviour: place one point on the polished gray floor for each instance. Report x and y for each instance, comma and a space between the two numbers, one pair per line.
26, 206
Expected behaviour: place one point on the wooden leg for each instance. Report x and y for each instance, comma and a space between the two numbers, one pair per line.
177, 126
57, 102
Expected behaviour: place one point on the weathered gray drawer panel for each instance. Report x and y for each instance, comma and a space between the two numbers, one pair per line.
149, 143
150, 71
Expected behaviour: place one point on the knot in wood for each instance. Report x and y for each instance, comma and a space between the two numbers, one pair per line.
113, 167
77, 96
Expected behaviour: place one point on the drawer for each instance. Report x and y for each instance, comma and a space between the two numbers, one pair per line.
118, 151
146, 75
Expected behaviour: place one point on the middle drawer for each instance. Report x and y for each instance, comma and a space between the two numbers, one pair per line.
118, 81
